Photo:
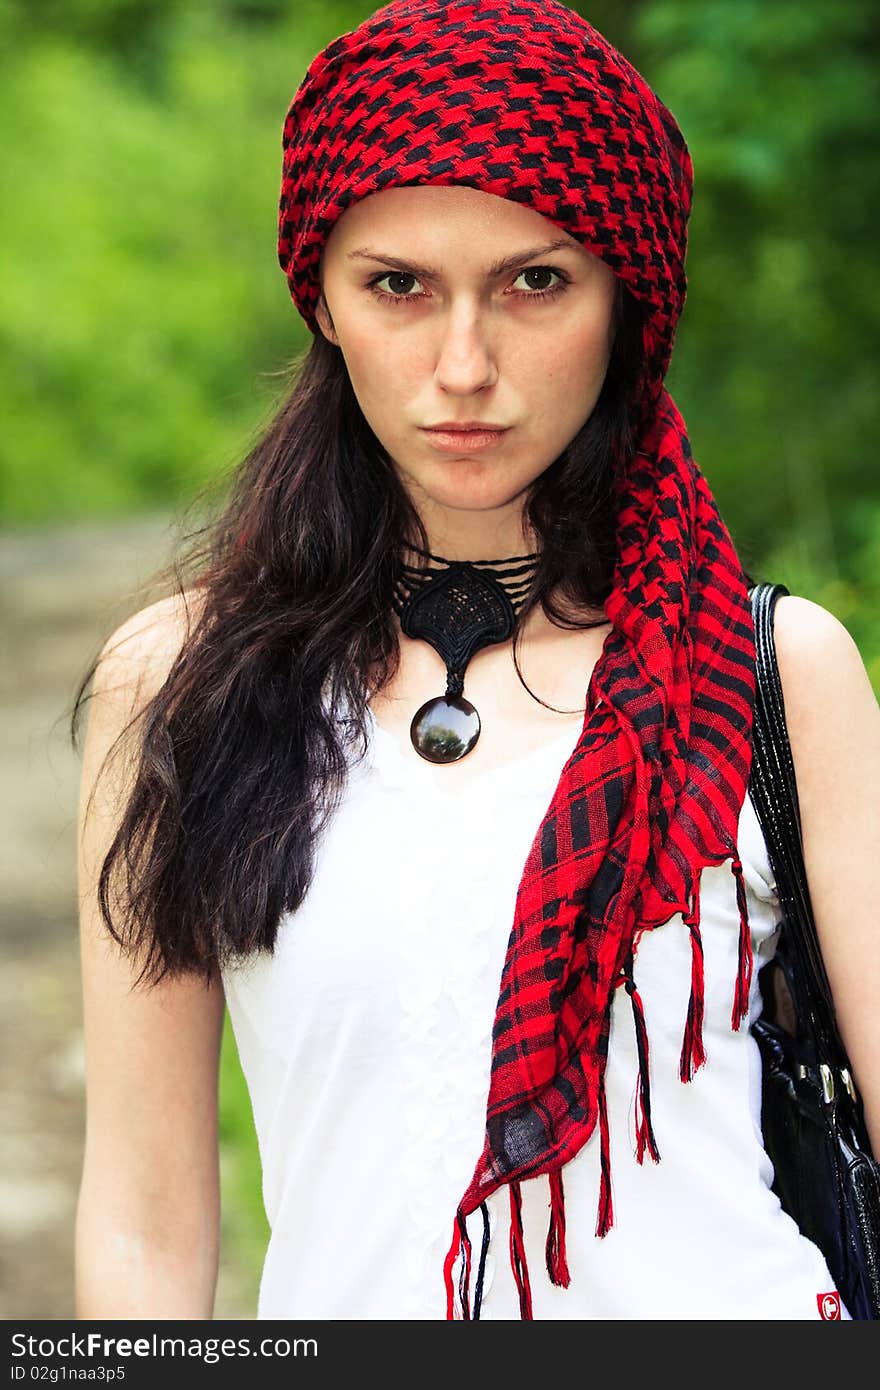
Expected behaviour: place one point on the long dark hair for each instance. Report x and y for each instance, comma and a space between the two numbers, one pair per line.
242, 753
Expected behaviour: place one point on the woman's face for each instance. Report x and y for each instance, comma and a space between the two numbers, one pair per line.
434, 328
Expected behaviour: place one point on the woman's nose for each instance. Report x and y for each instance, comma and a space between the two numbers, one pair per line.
466, 356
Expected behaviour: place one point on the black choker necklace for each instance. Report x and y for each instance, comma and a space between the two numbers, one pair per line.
460, 607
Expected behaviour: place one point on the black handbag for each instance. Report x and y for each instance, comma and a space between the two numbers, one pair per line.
812, 1117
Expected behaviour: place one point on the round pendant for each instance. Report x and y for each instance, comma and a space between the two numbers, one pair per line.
445, 729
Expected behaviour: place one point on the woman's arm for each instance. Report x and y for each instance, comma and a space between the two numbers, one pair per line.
147, 1224
834, 727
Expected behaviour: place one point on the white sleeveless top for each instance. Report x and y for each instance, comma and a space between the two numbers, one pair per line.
365, 1042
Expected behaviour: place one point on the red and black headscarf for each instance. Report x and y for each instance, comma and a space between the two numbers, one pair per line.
525, 100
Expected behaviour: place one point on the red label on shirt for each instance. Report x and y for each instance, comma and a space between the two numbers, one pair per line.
829, 1306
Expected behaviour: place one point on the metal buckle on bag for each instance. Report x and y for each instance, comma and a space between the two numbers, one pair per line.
827, 1076
848, 1082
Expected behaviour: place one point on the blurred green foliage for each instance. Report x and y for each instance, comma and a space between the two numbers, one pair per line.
145, 319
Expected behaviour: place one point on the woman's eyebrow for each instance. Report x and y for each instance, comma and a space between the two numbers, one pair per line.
497, 268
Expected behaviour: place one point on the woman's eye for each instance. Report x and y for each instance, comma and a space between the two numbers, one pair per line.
394, 276
539, 291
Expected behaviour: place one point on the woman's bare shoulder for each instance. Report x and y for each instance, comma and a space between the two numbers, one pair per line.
830, 705
804, 628
139, 653
159, 627
820, 665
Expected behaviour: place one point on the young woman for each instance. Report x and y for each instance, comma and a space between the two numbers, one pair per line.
449, 738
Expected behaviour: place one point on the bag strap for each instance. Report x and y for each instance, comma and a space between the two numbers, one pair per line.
773, 790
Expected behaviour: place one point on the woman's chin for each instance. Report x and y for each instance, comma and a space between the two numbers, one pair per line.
465, 488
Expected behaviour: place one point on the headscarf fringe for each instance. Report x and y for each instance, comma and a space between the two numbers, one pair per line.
518, 1253
464, 1274
557, 1266
451, 1257
693, 1054
645, 1139
742, 991
605, 1216
481, 1267
461, 1245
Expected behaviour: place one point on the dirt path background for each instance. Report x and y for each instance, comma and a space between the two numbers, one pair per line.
63, 591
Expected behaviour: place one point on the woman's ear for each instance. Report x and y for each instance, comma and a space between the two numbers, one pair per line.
325, 321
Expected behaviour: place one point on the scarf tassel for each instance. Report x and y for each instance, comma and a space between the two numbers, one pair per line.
461, 1244
645, 1139
464, 1274
481, 1267
557, 1266
451, 1257
693, 1054
605, 1217
518, 1253
746, 960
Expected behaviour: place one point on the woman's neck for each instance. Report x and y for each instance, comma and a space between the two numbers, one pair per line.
475, 545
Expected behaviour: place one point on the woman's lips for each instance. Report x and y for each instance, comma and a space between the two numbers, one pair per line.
464, 441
